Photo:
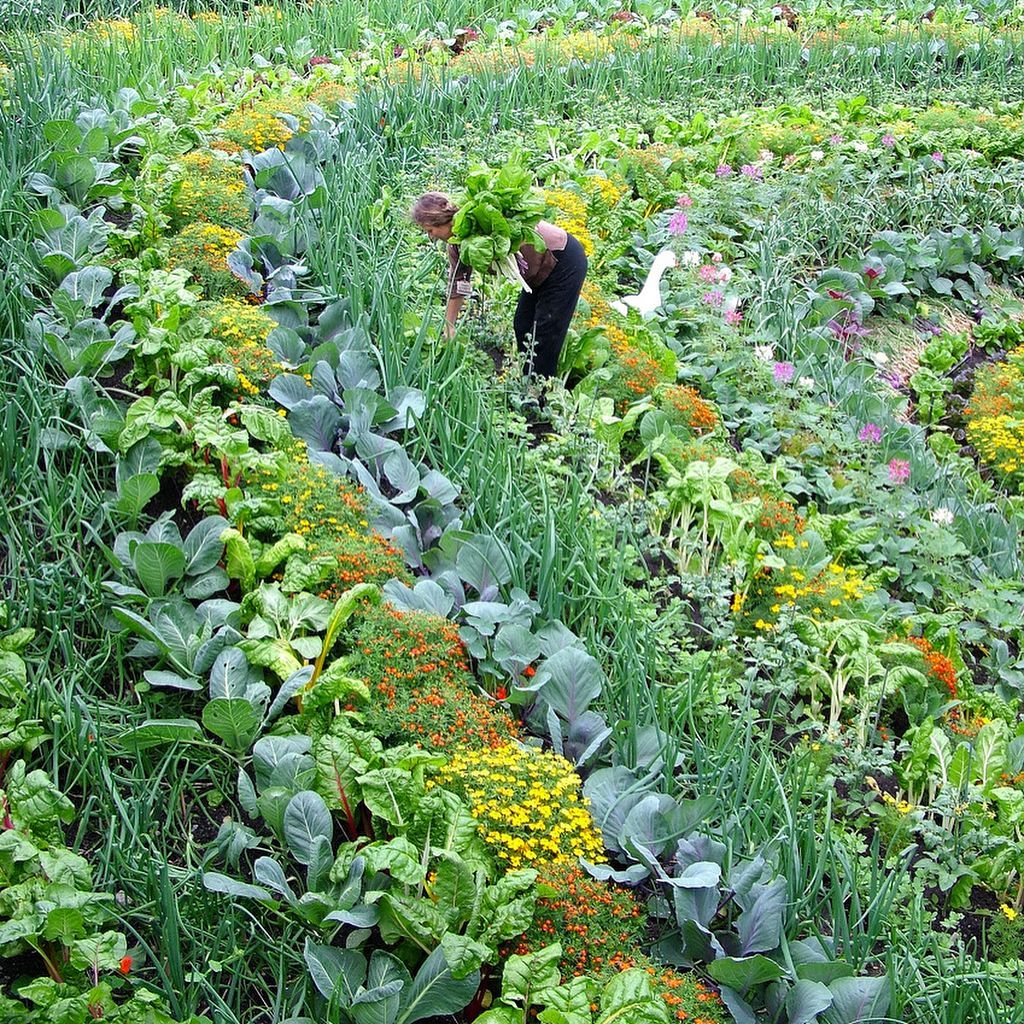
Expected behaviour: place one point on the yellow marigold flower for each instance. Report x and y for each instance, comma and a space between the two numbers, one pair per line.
526, 802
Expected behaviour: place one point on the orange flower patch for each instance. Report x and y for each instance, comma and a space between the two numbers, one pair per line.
423, 691
688, 409
594, 921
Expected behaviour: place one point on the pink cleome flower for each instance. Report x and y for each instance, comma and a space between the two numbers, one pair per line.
733, 317
678, 223
870, 432
899, 471
783, 372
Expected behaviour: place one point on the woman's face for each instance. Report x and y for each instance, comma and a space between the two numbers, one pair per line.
435, 233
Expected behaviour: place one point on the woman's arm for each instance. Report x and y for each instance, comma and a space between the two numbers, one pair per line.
455, 304
459, 288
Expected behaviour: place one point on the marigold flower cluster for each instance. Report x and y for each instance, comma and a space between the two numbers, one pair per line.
940, 668
778, 520
257, 127
937, 664
526, 803
995, 418
594, 921
570, 213
202, 249
329, 95
243, 329
604, 193
832, 593
688, 1000
639, 368
113, 30
599, 315
417, 670
210, 189
686, 408
332, 514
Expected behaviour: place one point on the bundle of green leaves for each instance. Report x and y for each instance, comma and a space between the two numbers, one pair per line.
497, 214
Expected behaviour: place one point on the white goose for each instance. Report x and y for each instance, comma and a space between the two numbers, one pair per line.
649, 298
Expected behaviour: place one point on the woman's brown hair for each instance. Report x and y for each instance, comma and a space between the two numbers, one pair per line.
433, 210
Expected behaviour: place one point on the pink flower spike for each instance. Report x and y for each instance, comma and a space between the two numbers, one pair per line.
733, 317
684, 201
870, 432
938, 157
888, 140
713, 298
723, 171
783, 372
678, 223
899, 471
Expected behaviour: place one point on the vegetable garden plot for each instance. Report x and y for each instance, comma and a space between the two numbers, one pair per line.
368, 703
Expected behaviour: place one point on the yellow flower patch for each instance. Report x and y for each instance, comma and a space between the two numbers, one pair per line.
526, 803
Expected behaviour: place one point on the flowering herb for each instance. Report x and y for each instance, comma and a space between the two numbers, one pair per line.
678, 223
332, 514
687, 409
834, 592
571, 214
210, 189
595, 922
995, 418
244, 329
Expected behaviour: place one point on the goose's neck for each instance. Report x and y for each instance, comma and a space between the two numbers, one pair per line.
653, 283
